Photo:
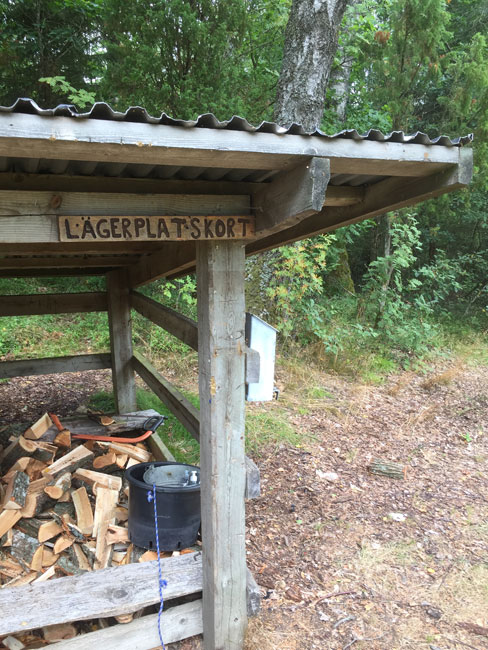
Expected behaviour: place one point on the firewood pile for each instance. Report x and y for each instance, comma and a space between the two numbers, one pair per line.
64, 505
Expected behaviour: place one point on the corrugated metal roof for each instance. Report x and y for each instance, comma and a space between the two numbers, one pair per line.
102, 111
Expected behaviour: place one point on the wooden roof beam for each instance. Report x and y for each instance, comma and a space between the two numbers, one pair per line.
390, 194
33, 136
75, 261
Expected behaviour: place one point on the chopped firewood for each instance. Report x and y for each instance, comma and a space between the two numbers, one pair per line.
104, 516
48, 530
77, 457
117, 534
35, 469
387, 468
62, 543
106, 420
20, 465
18, 448
121, 514
84, 514
81, 558
68, 567
45, 452
128, 555
48, 558
148, 556
16, 491
69, 527
24, 548
121, 460
8, 519
63, 439
124, 618
130, 462
39, 428
22, 579
29, 526
60, 632
141, 455
12, 643
107, 462
89, 478
60, 486
37, 500
9, 566
118, 556
62, 508
6, 540
48, 573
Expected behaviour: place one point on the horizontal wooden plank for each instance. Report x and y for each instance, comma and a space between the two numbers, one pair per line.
107, 592
54, 365
32, 216
169, 228
161, 263
53, 303
184, 328
177, 403
85, 248
31, 136
177, 623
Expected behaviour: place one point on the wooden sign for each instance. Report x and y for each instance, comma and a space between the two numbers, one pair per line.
170, 228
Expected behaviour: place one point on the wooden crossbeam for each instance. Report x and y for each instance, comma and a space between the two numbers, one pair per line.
74, 261
390, 194
63, 138
177, 403
52, 303
184, 328
292, 196
54, 365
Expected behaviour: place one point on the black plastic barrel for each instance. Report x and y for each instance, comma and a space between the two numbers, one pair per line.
178, 509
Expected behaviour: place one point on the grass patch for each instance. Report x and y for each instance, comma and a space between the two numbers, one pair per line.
269, 428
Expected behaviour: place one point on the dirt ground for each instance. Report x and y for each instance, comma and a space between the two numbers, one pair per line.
346, 559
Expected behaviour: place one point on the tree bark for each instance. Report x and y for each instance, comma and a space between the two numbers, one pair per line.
310, 45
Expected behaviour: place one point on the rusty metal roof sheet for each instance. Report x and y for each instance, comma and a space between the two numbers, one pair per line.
102, 111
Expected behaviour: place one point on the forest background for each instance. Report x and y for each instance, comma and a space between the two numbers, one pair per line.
372, 296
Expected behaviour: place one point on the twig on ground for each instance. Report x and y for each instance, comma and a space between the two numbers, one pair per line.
341, 621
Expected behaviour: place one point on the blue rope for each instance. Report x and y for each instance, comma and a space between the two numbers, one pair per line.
151, 496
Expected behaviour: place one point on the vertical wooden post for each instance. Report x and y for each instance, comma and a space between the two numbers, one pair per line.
221, 321
119, 321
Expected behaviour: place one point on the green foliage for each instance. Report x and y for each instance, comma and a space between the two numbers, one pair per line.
59, 85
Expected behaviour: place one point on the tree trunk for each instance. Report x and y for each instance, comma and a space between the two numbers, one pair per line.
310, 45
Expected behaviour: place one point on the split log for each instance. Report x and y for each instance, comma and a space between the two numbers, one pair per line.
117, 534
148, 556
24, 548
141, 455
84, 514
44, 452
35, 469
107, 462
39, 428
48, 530
20, 465
16, 492
30, 526
387, 468
62, 508
6, 540
37, 500
9, 567
18, 448
54, 633
8, 519
81, 558
62, 543
76, 458
59, 486
63, 439
90, 479
48, 573
68, 567
48, 558
121, 514
104, 516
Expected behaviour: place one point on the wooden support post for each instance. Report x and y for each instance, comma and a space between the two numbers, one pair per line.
220, 286
121, 341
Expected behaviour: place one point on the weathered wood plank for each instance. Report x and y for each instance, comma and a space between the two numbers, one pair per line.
107, 592
292, 196
120, 326
33, 216
132, 142
177, 623
387, 195
221, 315
54, 365
177, 403
184, 328
161, 263
159, 449
52, 303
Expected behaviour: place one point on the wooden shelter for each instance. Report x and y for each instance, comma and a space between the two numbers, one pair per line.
138, 198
